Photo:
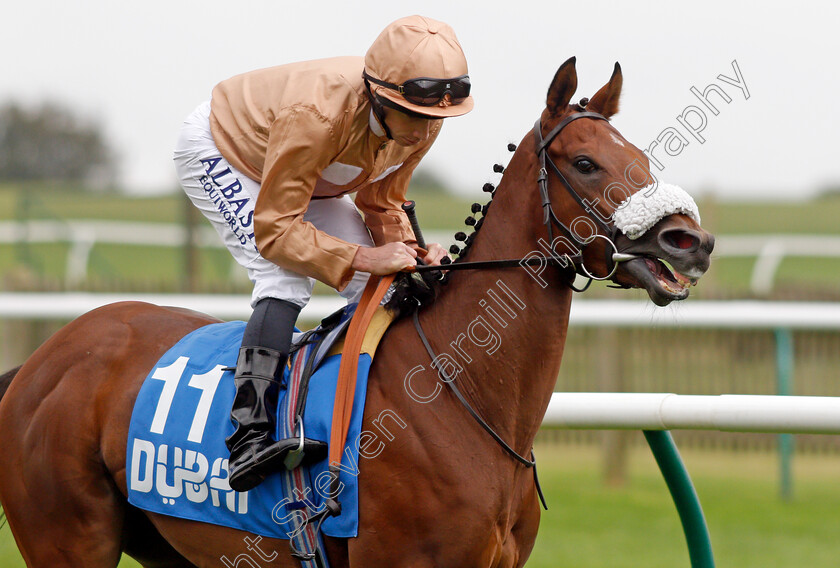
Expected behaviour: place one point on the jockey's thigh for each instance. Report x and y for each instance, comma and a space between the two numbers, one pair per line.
226, 197
339, 217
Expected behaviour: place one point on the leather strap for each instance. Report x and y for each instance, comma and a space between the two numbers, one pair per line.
549, 217
346, 388
531, 463
451, 383
565, 261
543, 144
306, 540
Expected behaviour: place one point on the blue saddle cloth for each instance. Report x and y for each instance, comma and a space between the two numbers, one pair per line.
177, 461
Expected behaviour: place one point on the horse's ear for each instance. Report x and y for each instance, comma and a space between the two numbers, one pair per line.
563, 86
605, 101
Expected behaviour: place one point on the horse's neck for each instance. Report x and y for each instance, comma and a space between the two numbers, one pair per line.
500, 328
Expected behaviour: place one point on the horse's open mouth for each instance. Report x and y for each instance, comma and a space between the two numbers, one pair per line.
663, 283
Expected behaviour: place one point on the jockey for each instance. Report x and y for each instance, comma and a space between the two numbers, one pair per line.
270, 161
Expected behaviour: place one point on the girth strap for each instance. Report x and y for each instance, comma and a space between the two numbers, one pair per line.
306, 541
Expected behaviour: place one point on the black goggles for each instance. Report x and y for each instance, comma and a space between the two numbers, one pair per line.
425, 91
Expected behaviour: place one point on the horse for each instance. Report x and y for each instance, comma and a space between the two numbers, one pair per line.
439, 490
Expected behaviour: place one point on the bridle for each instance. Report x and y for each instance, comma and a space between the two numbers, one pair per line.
550, 220
575, 260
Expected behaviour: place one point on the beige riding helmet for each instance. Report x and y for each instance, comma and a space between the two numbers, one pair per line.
418, 47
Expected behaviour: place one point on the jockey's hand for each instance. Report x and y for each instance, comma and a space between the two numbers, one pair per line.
434, 255
387, 259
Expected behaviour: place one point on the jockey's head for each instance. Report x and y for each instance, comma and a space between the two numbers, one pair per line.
417, 66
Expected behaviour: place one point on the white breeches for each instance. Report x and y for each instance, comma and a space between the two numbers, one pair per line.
227, 198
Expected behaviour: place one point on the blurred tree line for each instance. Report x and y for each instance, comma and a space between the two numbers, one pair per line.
50, 143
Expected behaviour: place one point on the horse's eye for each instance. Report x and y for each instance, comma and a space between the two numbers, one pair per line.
585, 166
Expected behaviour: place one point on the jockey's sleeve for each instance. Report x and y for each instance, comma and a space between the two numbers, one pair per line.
301, 144
382, 201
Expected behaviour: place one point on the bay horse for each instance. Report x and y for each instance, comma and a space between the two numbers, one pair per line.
440, 491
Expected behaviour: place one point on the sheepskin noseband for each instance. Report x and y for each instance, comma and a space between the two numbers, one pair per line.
646, 207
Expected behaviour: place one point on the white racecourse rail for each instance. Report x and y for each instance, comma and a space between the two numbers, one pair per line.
666, 411
637, 411
768, 249
592, 313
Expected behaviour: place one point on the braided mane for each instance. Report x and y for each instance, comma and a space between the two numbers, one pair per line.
413, 289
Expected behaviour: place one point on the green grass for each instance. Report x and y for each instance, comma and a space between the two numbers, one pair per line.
61, 202
589, 525
819, 216
437, 211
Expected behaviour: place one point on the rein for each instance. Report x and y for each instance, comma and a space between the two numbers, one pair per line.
550, 220
450, 381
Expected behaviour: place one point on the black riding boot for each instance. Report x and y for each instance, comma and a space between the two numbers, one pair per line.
257, 380
259, 372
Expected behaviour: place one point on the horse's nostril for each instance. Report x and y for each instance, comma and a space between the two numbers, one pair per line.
680, 239
683, 241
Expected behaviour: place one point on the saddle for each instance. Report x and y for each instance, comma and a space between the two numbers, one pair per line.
329, 338
176, 462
